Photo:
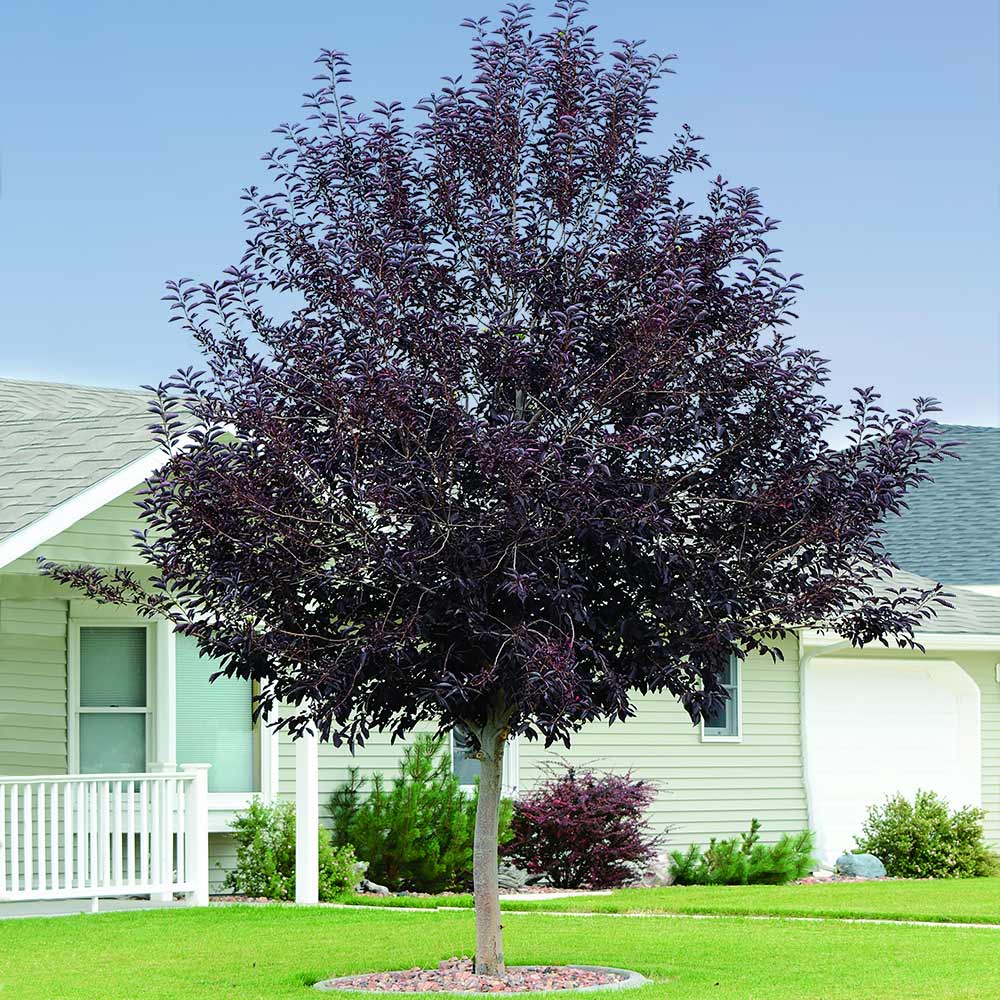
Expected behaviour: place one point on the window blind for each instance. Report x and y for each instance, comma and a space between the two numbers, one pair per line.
214, 721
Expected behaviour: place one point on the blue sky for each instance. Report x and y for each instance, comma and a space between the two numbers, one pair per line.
127, 131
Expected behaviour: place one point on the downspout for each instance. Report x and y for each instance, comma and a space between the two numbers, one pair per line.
805, 659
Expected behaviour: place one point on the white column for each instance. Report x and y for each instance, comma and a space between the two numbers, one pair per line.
165, 703
307, 820
196, 833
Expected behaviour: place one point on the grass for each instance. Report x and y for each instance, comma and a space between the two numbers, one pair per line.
276, 953
973, 901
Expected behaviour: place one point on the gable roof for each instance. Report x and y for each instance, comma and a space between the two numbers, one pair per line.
951, 531
971, 612
58, 442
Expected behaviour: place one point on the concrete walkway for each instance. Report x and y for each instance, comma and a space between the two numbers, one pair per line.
676, 916
69, 907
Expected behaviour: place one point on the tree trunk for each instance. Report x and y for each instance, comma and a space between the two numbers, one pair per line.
489, 930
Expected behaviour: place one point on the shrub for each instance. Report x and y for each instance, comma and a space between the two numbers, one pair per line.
265, 856
416, 834
744, 860
922, 839
584, 830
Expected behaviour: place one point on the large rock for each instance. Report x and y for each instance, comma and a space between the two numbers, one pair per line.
373, 887
656, 874
860, 866
511, 878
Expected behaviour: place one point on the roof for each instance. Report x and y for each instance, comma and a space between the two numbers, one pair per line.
972, 612
58, 440
951, 531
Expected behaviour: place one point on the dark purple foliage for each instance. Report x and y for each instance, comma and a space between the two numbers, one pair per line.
584, 830
530, 436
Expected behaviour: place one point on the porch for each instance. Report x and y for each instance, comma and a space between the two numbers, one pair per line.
99, 836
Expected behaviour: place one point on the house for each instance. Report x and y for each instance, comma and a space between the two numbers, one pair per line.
107, 720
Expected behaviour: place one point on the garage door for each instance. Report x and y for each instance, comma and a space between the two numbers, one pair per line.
875, 727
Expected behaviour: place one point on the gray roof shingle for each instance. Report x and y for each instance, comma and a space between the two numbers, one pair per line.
971, 613
951, 531
58, 440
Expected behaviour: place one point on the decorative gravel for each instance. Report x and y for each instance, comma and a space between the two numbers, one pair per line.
456, 975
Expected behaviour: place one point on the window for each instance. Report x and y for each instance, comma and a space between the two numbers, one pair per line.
467, 768
112, 709
214, 721
724, 722
464, 767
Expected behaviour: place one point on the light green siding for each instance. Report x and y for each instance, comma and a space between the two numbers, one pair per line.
103, 538
221, 860
982, 667
378, 754
32, 686
704, 789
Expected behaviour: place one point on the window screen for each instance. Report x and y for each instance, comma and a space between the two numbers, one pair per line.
113, 711
214, 721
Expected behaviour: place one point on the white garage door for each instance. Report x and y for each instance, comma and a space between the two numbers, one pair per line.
875, 727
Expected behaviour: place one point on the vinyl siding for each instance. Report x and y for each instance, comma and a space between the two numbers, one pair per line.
704, 789
221, 860
378, 754
32, 686
982, 668
103, 538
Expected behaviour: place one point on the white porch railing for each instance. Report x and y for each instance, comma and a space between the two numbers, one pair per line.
85, 836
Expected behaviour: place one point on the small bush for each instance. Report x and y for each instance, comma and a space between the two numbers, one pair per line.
744, 860
584, 830
265, 856
922, 839
416, 834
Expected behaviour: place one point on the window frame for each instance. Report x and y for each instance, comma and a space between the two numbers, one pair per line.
734, 712
75, 709
511, 766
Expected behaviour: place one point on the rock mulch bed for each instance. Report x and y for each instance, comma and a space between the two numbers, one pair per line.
456, 975
825, 879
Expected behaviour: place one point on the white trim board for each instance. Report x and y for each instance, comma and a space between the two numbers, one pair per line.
818, 641
66, 514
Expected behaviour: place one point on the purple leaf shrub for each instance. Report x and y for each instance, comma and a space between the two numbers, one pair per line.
581, 829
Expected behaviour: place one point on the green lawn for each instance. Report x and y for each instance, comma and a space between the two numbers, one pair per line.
274, 953
952, 900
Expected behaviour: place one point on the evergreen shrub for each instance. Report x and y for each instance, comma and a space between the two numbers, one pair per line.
743, 860
415, 832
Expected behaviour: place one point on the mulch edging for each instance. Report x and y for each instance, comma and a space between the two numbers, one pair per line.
456, 975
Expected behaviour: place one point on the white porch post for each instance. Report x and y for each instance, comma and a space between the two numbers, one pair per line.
196, 835
307, 820
165, 704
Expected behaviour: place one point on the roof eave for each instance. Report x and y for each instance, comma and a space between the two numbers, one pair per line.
66, 514
987, 641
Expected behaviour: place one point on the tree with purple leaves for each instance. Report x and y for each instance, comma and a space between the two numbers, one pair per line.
530, 439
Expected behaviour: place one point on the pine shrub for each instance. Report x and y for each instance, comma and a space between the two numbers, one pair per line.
415, 832
584, 829
923, 839
743, 860
265, 856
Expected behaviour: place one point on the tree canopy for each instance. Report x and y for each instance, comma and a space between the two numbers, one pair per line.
529, 434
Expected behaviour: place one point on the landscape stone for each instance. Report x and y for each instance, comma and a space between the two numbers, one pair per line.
373, 887
860, 866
